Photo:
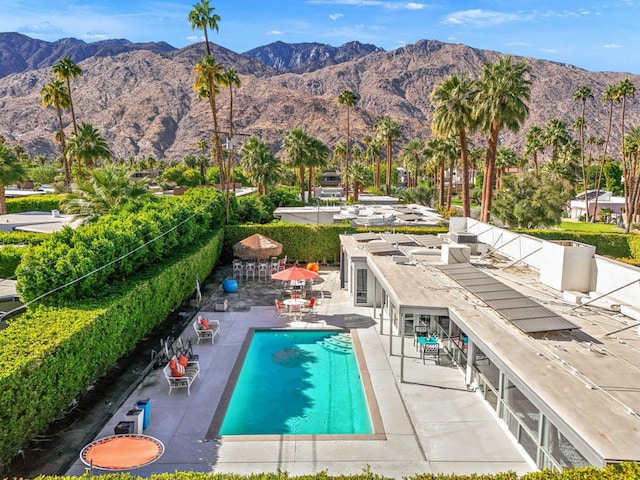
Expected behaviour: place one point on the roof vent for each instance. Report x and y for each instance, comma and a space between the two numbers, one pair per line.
464, 237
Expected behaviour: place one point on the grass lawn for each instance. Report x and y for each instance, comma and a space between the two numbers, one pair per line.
590, 227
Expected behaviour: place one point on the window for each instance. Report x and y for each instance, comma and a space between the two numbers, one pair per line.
522, 407
361, 286
559, 448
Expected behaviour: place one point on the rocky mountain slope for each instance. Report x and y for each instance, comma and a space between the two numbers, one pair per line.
19, 53
144, 103
308, 57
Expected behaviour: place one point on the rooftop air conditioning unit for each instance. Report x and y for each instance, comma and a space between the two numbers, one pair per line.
464, 237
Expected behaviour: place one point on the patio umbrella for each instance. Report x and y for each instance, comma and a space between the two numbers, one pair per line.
257, 246
294, 273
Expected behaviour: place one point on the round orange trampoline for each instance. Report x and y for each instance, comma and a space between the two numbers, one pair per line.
122, 452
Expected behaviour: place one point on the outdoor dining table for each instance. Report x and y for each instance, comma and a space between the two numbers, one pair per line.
290, 302
426, 341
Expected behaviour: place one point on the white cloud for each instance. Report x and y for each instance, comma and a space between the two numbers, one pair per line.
518, 44
415, 6
272, 33
482, 18
612, 45
40, 28
336, 16
92, 35
372, 3
194, 38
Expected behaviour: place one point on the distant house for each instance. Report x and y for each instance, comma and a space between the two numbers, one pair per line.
578, 206
330, 179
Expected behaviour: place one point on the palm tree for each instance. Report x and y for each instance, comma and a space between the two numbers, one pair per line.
260, 165
340, 155
361, 176
534, 145
582, 95
206, 84
372, 153
109, 188
499, 103
65, 70
610, 95
413, 159
87, 146
348, 99
626, 89
229, 78
631, 176
453, 115
202, 17
11, 171
54, 94
388, 131
297, 151
556, 135
318, 158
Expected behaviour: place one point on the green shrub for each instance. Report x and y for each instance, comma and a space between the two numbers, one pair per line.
22, 238
10, 257
52, 355
116, 246
34, 203
614, 245
254, 209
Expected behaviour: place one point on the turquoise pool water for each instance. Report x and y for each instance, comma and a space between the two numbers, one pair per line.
294, 383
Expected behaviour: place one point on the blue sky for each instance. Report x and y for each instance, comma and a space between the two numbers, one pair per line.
594, 35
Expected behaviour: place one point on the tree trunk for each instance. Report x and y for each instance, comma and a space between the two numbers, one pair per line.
601, 172
388, 178
302, 189
450, 187
3, 201
377, 179
441, 184
65, 161
487, 186
464, 167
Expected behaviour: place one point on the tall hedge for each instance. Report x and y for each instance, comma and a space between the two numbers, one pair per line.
34, 203
51, 355
614, 245
301, 242
116, 246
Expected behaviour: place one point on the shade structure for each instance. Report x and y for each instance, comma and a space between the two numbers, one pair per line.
122, 452
257, 246
294, 273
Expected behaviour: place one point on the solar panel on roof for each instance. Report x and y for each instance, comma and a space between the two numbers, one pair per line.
397, 238
520, 301
501, 295
470, 282
365, 237
427, 240
381, 248
547, 324
524, 313
492, 287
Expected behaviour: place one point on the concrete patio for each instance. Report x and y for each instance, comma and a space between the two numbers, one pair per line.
432, 423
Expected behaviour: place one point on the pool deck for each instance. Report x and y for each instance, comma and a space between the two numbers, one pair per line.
432, 422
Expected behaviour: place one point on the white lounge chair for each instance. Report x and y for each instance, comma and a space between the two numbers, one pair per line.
191, 372
205, 328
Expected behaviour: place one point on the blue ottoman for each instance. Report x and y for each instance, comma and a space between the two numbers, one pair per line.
230, 285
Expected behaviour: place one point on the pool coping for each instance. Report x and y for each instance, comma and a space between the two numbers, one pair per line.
372, 403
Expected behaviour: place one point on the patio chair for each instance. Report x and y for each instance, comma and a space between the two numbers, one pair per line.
309, 307
282, 263
263, 270
430, 350
237, 268
281, 310
179, 375
274, 265
205, 328
185, 347
419, 331
250, 270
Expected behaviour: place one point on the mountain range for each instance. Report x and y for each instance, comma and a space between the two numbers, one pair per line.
141, 96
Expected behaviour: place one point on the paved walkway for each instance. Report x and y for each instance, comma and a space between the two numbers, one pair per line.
432, 423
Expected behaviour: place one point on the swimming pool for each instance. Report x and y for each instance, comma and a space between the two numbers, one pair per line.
298, 382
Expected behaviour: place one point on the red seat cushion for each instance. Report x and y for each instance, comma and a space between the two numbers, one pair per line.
182, 360
205, 324
177, 370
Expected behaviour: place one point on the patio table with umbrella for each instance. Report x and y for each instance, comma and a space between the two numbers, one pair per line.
294, 274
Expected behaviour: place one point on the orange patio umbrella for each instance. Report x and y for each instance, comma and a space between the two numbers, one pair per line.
294, 273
